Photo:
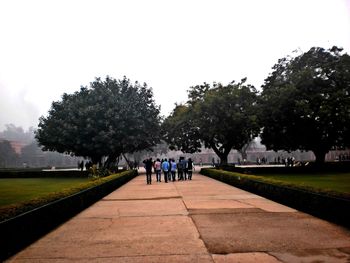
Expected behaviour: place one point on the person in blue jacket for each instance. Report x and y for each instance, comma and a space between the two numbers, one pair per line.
173, 169
165, 168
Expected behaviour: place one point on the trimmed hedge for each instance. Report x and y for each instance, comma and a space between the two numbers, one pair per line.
22, 230
332, 208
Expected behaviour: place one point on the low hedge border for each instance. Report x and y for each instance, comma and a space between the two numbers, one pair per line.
335, 209
22, 230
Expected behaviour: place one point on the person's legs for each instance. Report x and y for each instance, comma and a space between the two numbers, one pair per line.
148, 176
189, 175
166, 176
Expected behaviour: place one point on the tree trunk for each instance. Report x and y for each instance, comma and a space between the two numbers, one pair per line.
96, 160
127, 161
320, 156
110, 161
243, 151
223, 159
222, 155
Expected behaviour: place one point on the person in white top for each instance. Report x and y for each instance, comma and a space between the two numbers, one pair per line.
157, 168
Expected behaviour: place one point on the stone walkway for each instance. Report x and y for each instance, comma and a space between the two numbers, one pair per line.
202, 220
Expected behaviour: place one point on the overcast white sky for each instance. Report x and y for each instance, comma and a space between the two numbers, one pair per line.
51, 47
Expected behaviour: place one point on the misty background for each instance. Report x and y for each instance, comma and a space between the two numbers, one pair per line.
18, 148
48, 48
51, 47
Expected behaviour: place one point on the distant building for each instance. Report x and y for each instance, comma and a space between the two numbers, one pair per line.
17, 146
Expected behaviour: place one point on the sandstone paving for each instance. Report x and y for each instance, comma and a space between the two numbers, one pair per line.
202, 220
314, 255
215, 204
267, 205
193, 258
119, 208
254, 257
136, 189
122, 237
262, 231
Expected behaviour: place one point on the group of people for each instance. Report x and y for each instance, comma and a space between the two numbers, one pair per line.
184, 169
88, 165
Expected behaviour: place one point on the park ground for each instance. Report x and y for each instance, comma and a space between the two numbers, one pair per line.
202, 220
18, 190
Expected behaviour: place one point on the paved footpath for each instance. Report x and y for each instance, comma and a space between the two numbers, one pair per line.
202, 220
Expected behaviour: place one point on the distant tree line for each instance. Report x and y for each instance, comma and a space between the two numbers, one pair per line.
30, 154
17, 133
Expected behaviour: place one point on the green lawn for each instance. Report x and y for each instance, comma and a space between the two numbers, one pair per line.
18, 190
337, 182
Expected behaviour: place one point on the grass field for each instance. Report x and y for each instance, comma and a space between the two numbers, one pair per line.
337, 182
18, 190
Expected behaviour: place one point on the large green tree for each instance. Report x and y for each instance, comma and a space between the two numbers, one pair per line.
305, 102
109, 118
220, 117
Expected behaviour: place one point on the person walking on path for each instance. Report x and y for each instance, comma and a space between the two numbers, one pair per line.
184, 167
158, 169
180, 170
169, 171
148, 166
190, 168
173, 169
165, 168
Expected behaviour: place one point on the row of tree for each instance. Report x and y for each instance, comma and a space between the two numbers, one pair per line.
17, 133
304, 104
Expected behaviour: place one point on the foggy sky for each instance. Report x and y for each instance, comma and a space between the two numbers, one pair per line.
51, 47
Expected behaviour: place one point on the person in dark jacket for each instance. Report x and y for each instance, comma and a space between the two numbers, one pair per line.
180, 169
148, 166
184, 167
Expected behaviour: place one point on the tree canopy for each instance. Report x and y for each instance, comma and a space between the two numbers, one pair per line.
305, 102
109, 118
218, 116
